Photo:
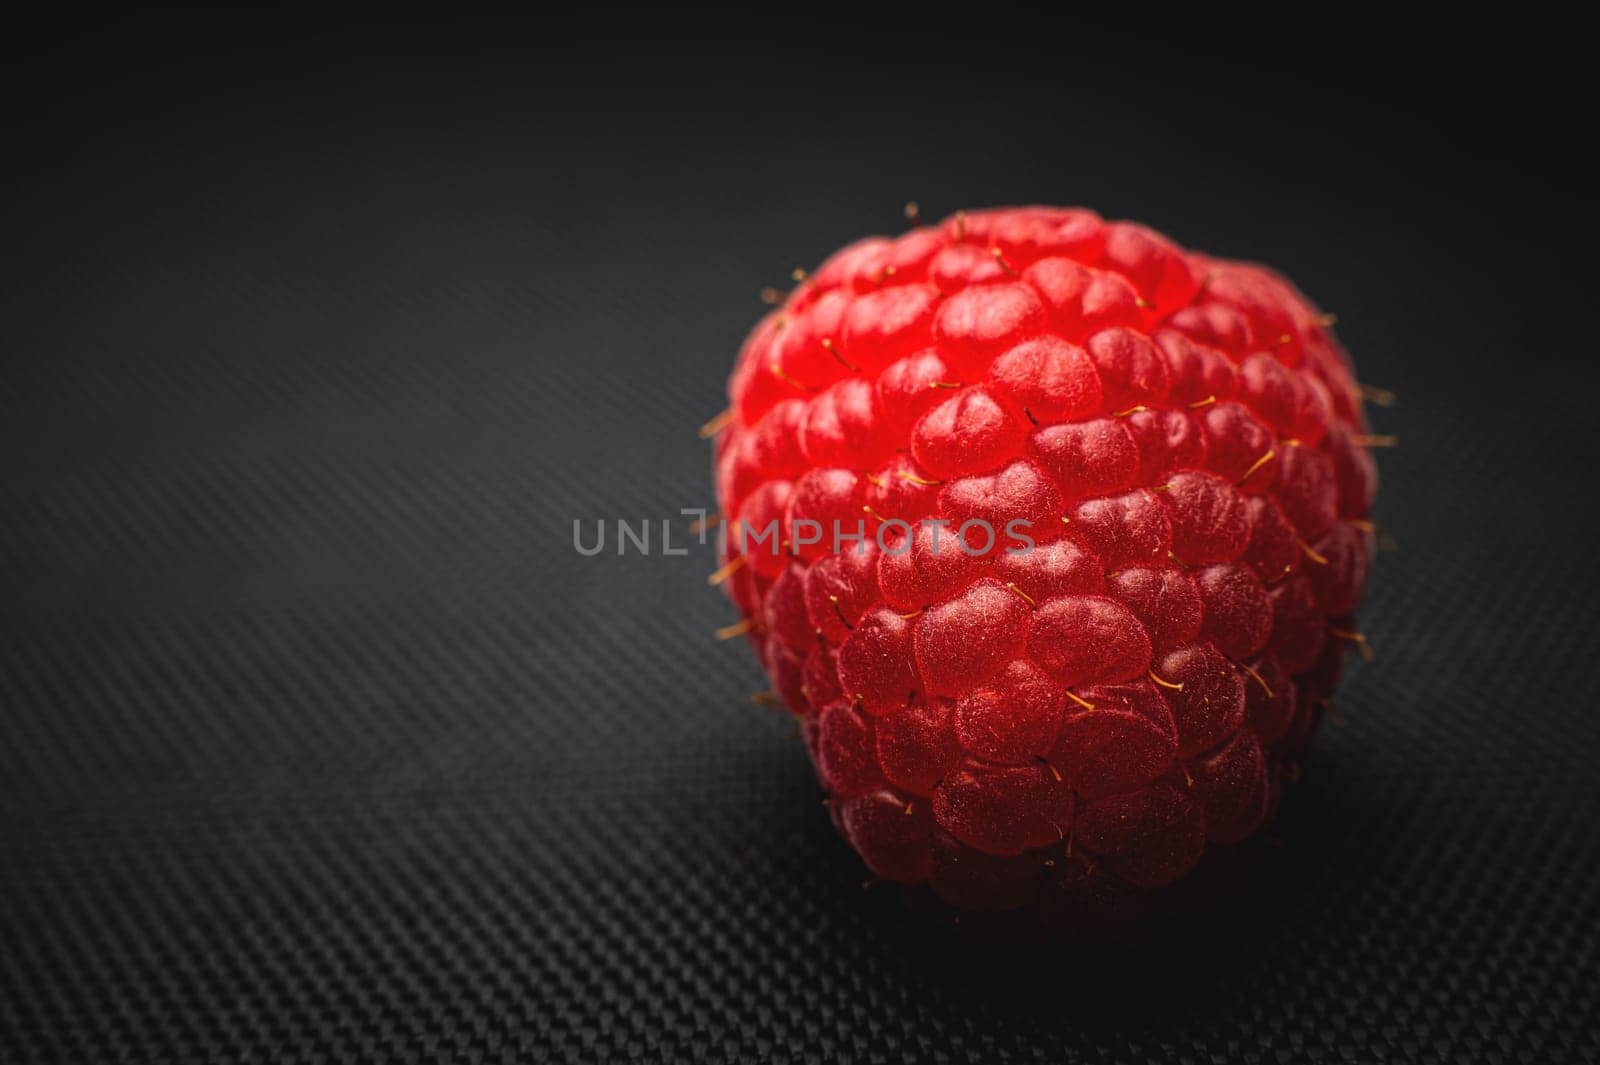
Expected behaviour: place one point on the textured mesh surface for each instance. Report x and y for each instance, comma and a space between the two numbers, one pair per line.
318, 743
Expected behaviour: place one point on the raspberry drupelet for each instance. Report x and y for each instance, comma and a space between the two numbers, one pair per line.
1076, 717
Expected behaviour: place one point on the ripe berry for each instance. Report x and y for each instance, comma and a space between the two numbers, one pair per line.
1103, 504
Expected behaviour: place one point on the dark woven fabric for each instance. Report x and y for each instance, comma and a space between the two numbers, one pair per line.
319, 743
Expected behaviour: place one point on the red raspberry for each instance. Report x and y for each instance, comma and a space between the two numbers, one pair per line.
1080, 710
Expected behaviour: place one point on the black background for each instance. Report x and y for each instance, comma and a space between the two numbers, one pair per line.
319, 743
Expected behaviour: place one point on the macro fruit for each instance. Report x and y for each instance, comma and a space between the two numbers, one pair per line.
1103, 504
